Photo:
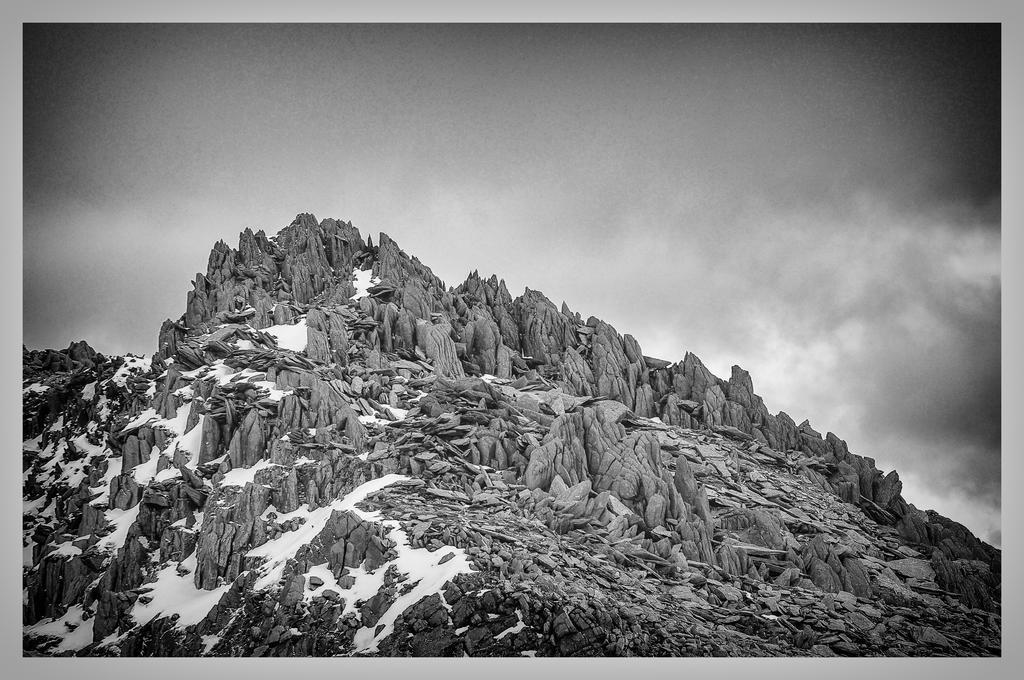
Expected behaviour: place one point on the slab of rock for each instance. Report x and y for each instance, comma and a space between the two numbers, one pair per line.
911, 567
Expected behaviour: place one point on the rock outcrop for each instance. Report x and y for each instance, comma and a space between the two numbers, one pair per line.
332, 452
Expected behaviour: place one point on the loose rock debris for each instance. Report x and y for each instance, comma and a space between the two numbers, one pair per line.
334, 454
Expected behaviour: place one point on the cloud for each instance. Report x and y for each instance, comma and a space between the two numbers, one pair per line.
817, 204
875, 322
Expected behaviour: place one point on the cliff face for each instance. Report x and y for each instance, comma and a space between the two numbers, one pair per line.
331, 452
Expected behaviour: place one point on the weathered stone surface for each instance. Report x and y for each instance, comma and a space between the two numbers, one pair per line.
888, 489
912, 568
248, 441
231, 526
855, 578
756, 526
691, 492
532, 491
437, 345
544, 333
823, 576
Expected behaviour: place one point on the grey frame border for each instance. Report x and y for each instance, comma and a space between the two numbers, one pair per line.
15, 12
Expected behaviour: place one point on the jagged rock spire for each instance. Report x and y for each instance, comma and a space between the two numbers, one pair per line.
312, 375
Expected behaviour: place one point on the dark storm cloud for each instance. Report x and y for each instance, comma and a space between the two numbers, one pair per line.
819, 204
938, 389
886, 331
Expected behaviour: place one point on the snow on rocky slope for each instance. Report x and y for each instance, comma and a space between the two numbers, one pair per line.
332, 453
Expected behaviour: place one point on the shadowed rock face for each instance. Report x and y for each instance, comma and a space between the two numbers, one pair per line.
311, 464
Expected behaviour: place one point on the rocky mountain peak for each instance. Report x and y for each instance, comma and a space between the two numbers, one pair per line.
332, 452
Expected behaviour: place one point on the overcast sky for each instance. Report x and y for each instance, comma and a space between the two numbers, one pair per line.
820, 205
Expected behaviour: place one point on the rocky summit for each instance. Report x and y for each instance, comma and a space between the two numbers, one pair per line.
332, 453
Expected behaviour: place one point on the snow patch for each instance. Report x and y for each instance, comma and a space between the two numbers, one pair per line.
32, 506
167, 473
195, 527
87, 447
397, 413
512, 629
218, 371
190, 442
373, 420
140, 420
104, 405
178, 441
122, 521
185, 392
364, 279
66, 550
424, 569
75, 631
329, 582
291, 337
279, 550
394, 411
241, 476
209, 642
275, 393
247, 374
48, 511
145, 472
176, 425
113, 470
131, 366
175, 593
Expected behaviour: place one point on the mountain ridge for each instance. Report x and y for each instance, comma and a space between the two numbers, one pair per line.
286, 345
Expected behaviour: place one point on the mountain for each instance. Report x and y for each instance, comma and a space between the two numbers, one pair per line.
333, 453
